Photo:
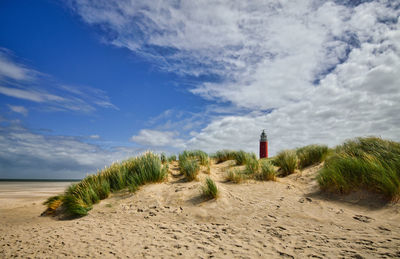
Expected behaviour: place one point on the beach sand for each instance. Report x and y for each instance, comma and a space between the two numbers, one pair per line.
288, 218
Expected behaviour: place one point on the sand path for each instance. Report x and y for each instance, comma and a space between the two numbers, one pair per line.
288, 218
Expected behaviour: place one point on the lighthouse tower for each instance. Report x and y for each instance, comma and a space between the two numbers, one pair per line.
263, 145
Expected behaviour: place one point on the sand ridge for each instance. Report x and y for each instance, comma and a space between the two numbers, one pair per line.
288, 218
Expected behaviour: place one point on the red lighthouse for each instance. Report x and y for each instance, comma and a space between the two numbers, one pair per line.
263, 145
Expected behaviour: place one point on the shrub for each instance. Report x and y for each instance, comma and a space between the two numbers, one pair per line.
369, 163
312, 154
235, 176
268, 172
287, 161
190, 168
210, 189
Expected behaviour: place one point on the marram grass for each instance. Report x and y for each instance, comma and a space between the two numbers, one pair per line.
311, 154
189, 168
267, 171
287, 161
210, 189
79, 198
236, 176
371, 164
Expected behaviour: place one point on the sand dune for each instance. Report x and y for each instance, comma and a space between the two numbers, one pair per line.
288, 218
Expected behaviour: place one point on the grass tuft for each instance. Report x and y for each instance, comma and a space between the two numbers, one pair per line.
371, 163
267, 172
210, 189
312, 154
235, 176
190, 168
287, 161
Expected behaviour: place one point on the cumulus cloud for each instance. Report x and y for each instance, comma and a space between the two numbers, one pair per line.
18, 109
320, 71
21, 82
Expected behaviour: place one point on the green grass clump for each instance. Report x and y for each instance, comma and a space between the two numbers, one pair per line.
172, 158
163, 158
236, 176
252, 166
243, 157
371, 164
224, 155
198, 155
79, 198
190, 168
287, 161
267, 172
210, 189
311, 154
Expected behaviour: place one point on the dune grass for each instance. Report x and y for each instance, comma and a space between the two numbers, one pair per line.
79, 198
311, 154
172, 158
163, 158
235, 176
287, 161
189, 168
210, 189
267, 171
252, 166
371, 164
224, 155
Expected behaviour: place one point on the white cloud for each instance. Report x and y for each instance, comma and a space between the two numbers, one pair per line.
24, 154
18, 109
19, 81
156, 138
94, 137
12, 70
329, 71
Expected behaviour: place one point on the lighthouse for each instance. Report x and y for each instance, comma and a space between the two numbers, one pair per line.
263, 145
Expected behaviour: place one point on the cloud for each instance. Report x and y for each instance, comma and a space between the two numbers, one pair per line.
155, 138
19, 81
18, 109
94, 137
24, 154
12, 70
319, 71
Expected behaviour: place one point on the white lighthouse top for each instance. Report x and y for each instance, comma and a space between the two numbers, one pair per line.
263, 137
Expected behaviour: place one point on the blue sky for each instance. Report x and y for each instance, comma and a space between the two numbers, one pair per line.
84, 83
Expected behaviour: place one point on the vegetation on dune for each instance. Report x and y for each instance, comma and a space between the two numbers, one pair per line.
224, 155
311, 154
267, 172
79, 198
252, 166
235, 176
172, 158
287, 161
210, 189
163, 158
198, 155
241, 157
189, 168
371, 164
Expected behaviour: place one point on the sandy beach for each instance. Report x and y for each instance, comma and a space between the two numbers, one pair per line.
289, 218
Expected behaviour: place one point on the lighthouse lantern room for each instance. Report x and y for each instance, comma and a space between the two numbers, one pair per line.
263, 145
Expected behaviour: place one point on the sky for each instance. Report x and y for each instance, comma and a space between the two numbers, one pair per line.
84, 83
